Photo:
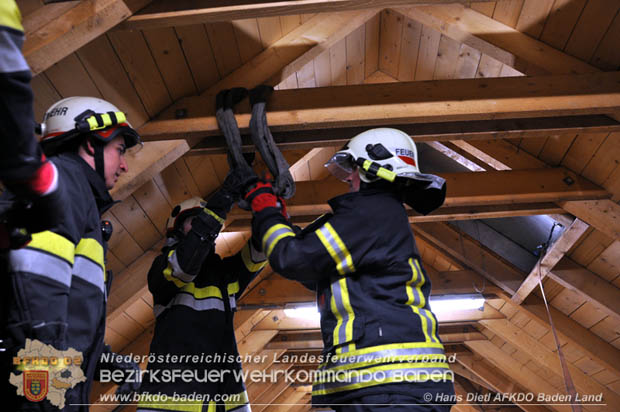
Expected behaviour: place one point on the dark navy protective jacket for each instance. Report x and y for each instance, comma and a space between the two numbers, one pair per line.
372, 292
194, 307
56, 287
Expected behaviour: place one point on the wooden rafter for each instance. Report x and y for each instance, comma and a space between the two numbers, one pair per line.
470, 195
164, 14
432, 132
593, 288
553, 255
497, 40
517, 372
410, 102
593, 346
602, 215
56, 35
496, 379
548, 358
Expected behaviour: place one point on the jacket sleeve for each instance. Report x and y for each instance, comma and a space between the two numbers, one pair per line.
20, 156
309, 256
180, 263
241, 268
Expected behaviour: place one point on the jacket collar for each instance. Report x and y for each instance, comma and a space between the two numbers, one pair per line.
349, 200
97, 185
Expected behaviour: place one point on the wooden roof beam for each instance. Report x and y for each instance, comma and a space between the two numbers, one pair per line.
409, 102
548, 358
495, 379
164, 14
470, 195
554, 253
56, 31
579, 279
515, 371
593, 288
602, 214
497, 40
568, 329
429, 132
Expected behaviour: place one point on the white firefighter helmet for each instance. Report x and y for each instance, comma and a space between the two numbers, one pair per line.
390, 149
391, 155
75, 116
185, 209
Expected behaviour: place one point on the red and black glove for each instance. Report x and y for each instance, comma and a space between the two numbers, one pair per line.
42, 198
262, 196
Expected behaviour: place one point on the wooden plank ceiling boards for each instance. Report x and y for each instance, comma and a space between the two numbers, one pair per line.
443, 71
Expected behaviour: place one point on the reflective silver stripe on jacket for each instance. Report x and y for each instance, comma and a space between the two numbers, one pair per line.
186, 299
177, 272
89, 271
42, 264
344, 265
344, 315
232, 301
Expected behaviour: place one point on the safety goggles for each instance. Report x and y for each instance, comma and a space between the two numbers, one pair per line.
341, 165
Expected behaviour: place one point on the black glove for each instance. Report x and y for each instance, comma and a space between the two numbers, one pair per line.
233, 188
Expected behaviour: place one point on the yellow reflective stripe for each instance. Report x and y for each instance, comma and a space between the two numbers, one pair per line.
169, 404
340, 300
190, 287
204, 292
214, 215
434, 358
250, 265
54, 244
168, 273
91, 249
447, 375
336, 249
212, 407
336, 312
345, 372
274, 235
241, 398
428, 313
417, 303
390, 346
106, 120
10, 15
233, 288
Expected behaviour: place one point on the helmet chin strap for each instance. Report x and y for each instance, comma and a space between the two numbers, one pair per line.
98, 155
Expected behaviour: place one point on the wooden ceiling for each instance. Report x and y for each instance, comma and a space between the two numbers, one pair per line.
342, 66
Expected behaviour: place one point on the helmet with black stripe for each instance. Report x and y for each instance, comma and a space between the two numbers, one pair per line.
80, 117
386, 154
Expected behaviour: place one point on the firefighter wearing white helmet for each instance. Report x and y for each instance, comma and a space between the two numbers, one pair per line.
194, 300
372, 290
60, 281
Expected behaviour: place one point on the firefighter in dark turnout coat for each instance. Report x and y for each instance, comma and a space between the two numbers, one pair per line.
57, 285
24, 170
194, 294
381, 347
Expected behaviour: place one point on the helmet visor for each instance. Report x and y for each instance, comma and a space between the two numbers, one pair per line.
131, 136
341, 165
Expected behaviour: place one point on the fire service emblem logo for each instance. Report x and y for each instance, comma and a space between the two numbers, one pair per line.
35, 385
